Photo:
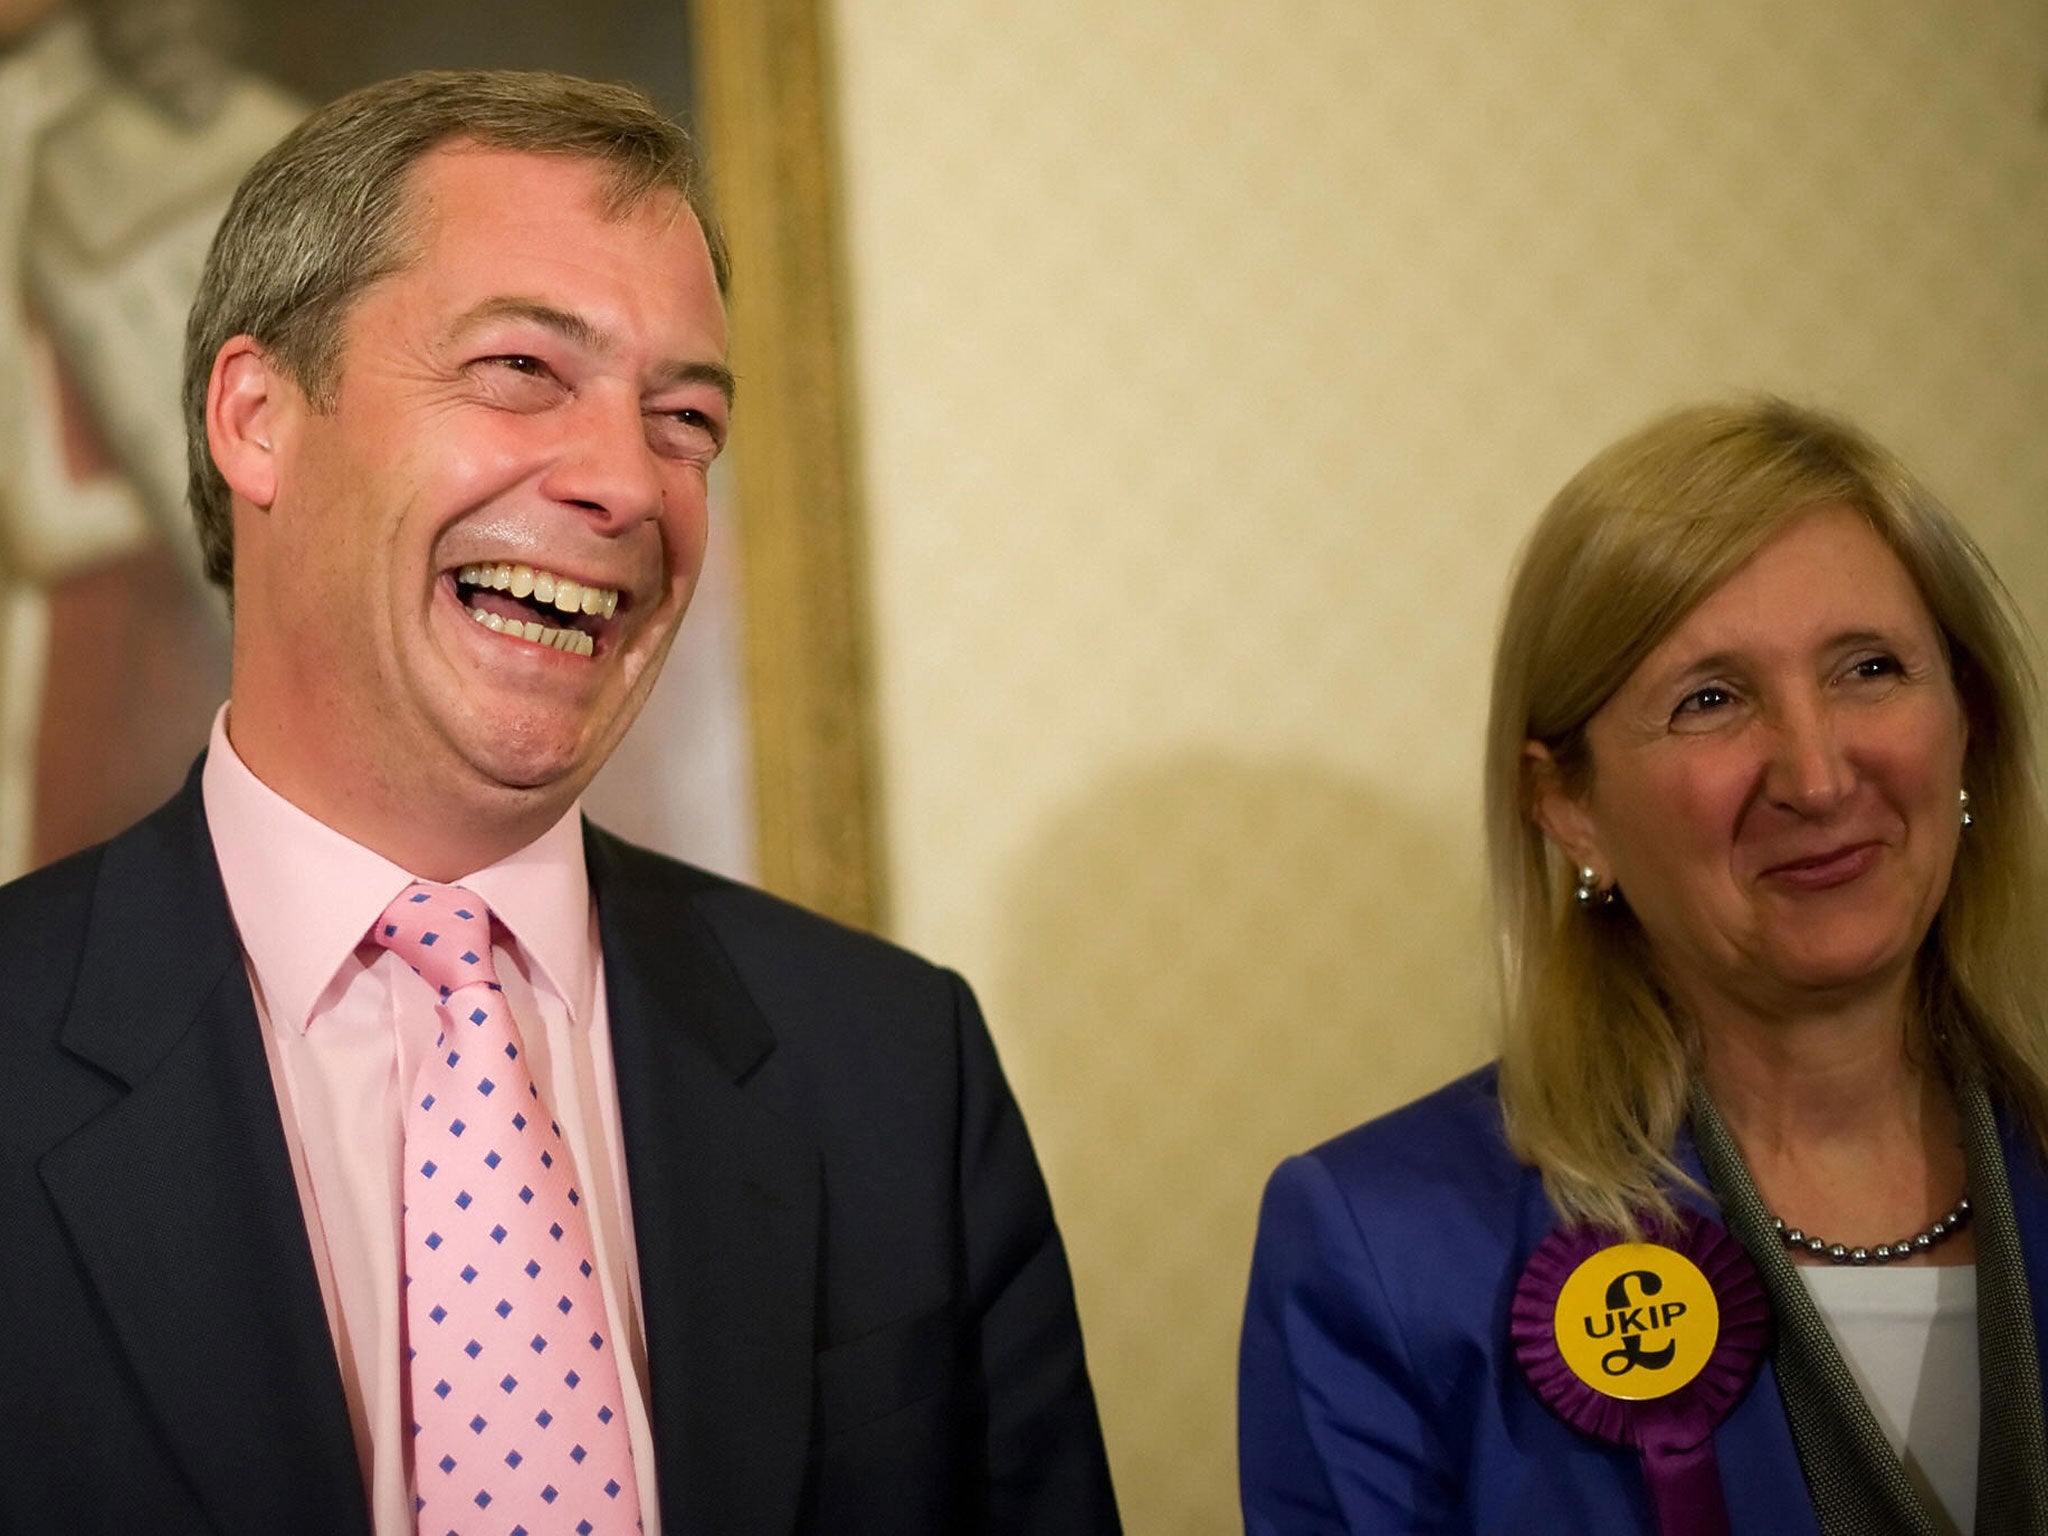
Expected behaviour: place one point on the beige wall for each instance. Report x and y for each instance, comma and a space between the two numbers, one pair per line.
1211, 358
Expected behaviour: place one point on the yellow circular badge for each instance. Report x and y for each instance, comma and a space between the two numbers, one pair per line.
1636, 1321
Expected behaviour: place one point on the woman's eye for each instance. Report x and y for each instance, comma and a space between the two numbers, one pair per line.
1876, 666
1704, 700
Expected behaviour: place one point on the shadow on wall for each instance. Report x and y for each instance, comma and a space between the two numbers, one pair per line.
1212, 963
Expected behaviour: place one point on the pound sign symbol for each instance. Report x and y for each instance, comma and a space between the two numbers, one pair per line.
1619, 1362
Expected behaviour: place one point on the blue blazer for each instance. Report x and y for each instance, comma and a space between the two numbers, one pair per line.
1378, 1391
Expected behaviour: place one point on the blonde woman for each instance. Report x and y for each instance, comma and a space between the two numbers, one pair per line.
1766, 851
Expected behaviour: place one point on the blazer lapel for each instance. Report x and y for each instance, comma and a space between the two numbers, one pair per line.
2027, 1177
726, 1193
181, 1202
1856, 1482
1760, 1471
1856, 1479
2006, 1196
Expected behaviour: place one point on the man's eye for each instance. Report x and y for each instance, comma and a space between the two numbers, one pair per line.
516, 381
686, 430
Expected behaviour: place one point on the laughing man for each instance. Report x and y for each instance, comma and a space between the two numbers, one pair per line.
387, 1150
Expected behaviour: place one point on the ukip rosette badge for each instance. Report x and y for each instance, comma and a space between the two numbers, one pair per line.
1646, 1345
1636, 1321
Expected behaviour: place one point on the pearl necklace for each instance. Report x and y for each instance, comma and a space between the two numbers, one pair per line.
1884, 1253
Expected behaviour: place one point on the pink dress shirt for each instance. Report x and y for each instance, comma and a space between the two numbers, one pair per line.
344, 1041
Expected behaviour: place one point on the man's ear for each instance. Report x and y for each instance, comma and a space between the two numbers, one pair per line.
1561, 814
247, 398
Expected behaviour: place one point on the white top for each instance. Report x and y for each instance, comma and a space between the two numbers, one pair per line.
1909, 1337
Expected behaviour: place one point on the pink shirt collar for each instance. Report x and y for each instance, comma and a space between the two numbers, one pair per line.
298, 932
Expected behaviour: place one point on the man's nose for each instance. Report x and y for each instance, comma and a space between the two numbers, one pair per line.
606, 467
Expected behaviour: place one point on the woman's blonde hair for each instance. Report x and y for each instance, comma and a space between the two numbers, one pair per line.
1596, 1066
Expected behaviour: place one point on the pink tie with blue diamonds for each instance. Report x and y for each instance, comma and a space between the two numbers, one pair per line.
518, 1417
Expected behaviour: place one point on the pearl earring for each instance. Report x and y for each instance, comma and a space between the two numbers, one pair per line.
1588, 891
1968, 819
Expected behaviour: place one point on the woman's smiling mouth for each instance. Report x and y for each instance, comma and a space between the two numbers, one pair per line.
1824, 871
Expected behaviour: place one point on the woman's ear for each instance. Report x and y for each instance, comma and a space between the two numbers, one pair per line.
244, 399
1561, 814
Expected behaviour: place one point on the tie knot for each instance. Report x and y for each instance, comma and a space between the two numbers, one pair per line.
441, 931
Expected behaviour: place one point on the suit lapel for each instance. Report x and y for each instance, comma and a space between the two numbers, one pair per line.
181, 1202
726, 1195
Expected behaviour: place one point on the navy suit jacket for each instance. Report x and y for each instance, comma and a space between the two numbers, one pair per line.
1378, 1390
858, 1311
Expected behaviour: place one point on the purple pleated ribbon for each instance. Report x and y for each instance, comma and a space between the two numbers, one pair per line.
1674, 1434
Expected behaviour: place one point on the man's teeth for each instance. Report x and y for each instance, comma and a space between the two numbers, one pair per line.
545, 588
523, 581
572, 641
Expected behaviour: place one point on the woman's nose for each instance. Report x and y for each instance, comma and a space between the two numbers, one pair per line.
1809, 772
